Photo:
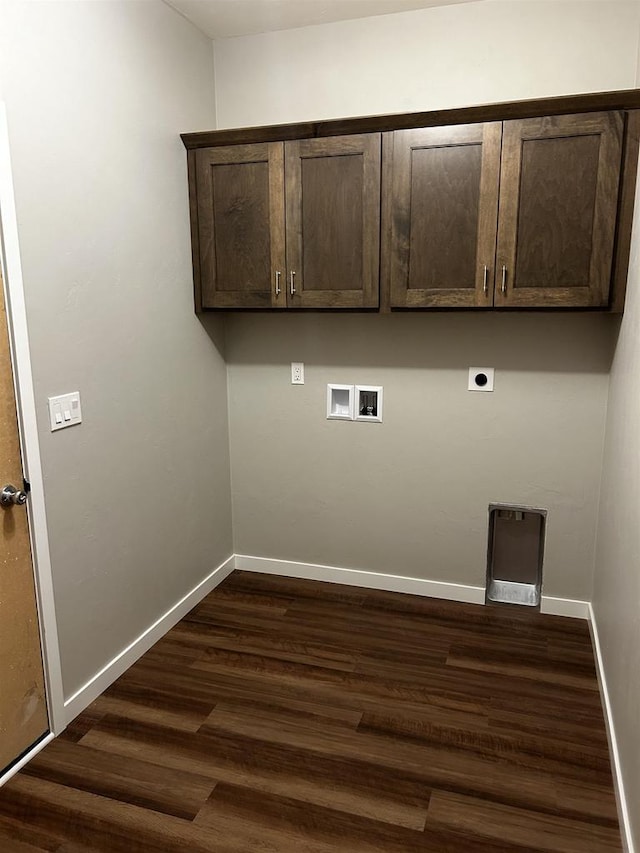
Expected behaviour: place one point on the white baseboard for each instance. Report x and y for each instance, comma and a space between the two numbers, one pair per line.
397, 583
357, 577
565, 607
618, 784
83, 697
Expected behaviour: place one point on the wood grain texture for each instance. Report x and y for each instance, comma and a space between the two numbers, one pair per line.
558, 182
443, 185
386, 222
578, 243
299, 717
445, 197
558, 201
194, 226
240, 214
241, 226
333, 221
23, 711
628, 179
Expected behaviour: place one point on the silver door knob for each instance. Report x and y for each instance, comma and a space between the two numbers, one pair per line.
10, 496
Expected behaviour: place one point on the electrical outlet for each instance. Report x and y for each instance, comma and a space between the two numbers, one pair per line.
297, 373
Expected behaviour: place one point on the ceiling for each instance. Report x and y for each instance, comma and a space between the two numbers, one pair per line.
226, 18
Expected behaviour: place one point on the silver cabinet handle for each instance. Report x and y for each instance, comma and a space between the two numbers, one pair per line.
278, 290
485, 280
10, 496
504, 279
292, 282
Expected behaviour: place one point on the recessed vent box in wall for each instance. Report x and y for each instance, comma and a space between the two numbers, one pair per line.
516, 547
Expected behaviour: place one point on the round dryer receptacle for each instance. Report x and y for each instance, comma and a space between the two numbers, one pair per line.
481, 379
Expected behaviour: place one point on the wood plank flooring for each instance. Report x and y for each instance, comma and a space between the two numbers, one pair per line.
288, 716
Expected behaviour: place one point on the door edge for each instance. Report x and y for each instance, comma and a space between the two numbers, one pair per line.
28, 431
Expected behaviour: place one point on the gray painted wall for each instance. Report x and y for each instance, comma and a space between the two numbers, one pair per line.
437, 58
616, 594
410, 496
138, 495
419, 485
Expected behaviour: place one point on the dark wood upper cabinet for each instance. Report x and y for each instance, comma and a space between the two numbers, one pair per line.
521, 205
555, 183
317, 249
240, 198
333, 221
559, 187
444, 209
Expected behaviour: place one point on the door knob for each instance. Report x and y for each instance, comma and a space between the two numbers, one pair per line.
10, 496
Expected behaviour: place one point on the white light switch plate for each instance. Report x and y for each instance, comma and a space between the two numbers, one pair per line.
65, 411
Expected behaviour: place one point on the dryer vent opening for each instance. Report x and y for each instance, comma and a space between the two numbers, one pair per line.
516, 548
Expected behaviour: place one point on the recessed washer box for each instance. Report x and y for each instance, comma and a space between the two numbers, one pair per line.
340, 402
369, 403
481, 379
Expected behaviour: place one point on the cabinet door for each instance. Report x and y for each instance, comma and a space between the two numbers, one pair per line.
333, 221
241, 225
558, 202
444, 210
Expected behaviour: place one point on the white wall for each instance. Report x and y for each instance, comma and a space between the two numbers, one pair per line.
429, 59
137, 496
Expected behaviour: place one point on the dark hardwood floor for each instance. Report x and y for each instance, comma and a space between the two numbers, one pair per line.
287, 716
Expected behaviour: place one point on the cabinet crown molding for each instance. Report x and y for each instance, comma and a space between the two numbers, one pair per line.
624, 99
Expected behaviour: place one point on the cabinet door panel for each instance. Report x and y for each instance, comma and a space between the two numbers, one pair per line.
332, 216
241, 225
333, 221
444, 188
558, 203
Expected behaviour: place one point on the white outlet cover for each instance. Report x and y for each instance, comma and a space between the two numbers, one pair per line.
297, 373
481, 378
